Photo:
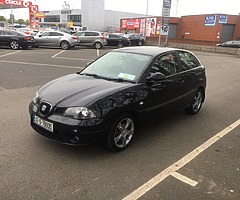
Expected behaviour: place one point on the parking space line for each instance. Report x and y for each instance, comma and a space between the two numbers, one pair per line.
1, 88
9, 54
58, 53
65, 58
179, 164
184, 179
41, 64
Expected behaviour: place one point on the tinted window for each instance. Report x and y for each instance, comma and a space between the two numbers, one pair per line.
114, 36
91, 34
55, 34
166, 64
188, 61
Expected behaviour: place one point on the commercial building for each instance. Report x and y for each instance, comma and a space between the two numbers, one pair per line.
210, 29
92, 15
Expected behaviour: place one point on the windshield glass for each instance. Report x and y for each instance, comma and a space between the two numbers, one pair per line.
119, 65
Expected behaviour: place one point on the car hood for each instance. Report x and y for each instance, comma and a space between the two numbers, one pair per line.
78, 90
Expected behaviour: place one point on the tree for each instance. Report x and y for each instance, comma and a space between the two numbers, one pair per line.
27, 22
21, 21
2, 18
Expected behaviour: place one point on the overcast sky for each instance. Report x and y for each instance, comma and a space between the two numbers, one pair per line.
185, 7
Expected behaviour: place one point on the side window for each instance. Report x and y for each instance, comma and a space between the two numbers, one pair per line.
10, 33
45, 34
55, 34
91, 34
166, 64
188, 61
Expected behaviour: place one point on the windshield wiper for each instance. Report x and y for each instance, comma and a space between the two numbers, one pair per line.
87, 74
120, 80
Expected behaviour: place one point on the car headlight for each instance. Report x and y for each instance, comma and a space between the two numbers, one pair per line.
35, 98
79, 113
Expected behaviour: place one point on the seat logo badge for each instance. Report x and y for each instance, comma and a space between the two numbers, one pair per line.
44, 108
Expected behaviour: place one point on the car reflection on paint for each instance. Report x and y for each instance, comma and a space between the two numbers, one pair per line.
108, 99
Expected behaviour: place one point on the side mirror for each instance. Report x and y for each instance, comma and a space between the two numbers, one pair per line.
155, 77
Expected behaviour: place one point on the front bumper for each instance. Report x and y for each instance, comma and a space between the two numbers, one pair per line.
70, 131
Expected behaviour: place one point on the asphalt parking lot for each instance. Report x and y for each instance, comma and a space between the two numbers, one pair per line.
178, 157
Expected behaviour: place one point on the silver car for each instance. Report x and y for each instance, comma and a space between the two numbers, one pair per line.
91, 38
55, 38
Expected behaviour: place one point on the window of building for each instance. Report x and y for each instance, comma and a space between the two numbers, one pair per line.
52, 18
75, 18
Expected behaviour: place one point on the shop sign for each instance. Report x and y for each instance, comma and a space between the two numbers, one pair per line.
130, 23
222, 19
164, 27
210, 20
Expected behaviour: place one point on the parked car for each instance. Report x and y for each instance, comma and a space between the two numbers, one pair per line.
108, 99
117, 40
136, 39
230, 44
15, 40
91, 38
55, 38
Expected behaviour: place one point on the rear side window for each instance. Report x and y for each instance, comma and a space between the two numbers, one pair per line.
188, 60
91, 34
55, 34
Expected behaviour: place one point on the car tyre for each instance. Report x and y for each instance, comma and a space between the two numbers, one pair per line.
65, 45
121, 132
120, 45
98, 45
14, 45
196, 104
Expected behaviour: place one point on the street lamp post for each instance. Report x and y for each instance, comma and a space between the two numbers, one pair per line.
145, 28
34, 15
11, 13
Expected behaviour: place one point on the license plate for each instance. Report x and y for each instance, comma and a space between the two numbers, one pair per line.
43, 123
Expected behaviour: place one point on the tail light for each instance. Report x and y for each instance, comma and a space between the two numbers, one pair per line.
27, 38
74, 37
103, 37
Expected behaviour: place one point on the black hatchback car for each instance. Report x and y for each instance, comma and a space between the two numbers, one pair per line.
114, 94
15, 40
118, 40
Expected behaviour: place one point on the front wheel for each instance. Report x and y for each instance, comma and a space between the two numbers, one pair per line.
196, 104
65, 45
14, 45
121, 133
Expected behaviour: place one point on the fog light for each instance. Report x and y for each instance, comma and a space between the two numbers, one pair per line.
75, 139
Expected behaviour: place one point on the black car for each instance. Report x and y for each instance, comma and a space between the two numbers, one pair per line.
108, 99
230, 44
15, 39
117, 40
135, 39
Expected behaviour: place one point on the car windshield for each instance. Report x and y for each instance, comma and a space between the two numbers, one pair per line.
118, 66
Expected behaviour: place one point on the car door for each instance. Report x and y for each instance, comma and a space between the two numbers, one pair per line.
193, 73
113, 40
42, 39
164, 95
4, 39
55, 38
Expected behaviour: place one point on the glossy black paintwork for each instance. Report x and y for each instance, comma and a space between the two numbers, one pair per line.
108, 99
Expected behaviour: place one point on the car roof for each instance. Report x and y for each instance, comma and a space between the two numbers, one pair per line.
147, 50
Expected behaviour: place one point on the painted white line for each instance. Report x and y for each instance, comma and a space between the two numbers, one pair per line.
1, 88
41, 64
98, 53
9, 54
184, 179
64, 58
58, 53
179, 164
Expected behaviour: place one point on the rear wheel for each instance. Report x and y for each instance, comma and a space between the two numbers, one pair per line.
120, 45
97, 45
65, 45
121, 133
14, 45
196, 104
